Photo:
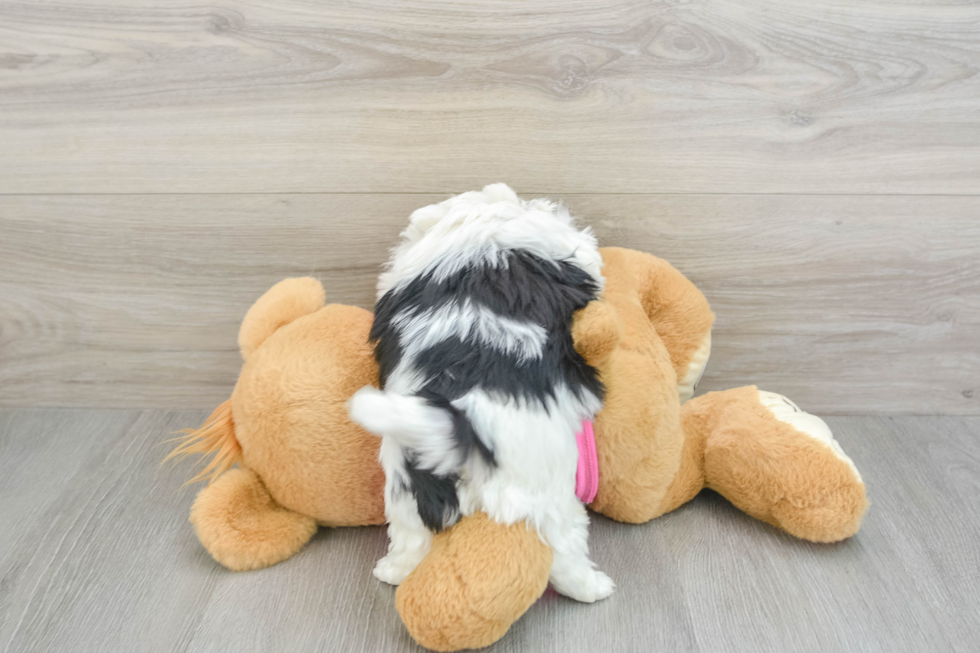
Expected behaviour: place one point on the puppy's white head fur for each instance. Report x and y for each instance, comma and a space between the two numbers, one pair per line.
478, 227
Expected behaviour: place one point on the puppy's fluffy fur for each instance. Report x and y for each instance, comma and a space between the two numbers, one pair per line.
483, 391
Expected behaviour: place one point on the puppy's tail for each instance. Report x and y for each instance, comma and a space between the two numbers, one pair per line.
440, 435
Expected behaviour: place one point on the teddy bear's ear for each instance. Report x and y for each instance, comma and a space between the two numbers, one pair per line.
284, 302
596, 332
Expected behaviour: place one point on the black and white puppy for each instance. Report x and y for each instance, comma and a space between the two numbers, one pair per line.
483, 391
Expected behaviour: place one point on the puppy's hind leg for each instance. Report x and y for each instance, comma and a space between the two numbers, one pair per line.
573, 574
408, 538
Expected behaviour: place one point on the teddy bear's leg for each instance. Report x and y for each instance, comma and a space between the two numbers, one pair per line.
478, 579
775, 462
242, 527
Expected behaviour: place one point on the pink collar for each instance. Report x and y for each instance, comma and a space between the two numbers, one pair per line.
587, 474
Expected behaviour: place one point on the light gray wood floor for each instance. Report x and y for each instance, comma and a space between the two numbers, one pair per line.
96, 554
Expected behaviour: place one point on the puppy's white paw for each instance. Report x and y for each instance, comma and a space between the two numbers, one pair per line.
587, 586
393, 569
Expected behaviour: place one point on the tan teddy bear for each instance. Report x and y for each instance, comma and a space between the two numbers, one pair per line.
302, 463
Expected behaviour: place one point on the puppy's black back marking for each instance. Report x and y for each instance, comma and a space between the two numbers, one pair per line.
521, 287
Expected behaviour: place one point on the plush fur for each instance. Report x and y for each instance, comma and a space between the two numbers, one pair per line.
475, 604
290, 417
483, 390
216, 436
300, 449
256, 531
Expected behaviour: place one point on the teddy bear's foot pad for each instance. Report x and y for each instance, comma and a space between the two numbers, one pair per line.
783, 466
786, 411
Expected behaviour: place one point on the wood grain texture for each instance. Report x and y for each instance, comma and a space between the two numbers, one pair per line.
97, 555
561, 96
845, 304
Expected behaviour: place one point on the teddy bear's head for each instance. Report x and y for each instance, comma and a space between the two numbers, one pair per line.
649, 338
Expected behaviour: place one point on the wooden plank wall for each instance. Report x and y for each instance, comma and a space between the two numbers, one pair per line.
813, 166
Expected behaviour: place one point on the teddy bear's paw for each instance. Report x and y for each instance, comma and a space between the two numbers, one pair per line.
788, 412
587, 586
393, 569
688, 384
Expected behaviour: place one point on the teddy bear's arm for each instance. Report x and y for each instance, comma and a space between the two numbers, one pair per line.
678, 311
